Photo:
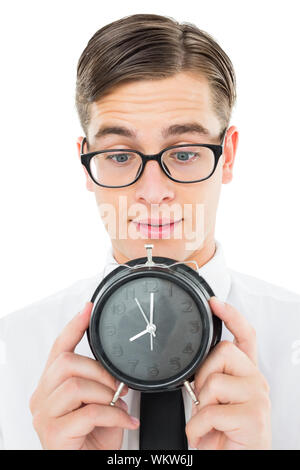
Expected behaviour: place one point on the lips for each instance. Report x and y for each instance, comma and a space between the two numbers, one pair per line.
156, 222
156, 228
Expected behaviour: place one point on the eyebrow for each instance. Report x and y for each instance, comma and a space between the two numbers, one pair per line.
175, 129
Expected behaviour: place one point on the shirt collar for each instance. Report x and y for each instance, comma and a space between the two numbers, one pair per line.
215, 271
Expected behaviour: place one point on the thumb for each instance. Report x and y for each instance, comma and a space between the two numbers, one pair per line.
71, 334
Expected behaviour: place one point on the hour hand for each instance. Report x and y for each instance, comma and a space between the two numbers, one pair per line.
150, 329
138, 335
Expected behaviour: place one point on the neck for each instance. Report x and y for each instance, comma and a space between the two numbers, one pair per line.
202, 255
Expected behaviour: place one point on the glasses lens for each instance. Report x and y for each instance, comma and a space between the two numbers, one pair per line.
115, 168
189, 163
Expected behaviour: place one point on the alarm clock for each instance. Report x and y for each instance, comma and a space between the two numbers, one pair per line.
151, 325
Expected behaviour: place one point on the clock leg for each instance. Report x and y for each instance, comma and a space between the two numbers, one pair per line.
117, 394
191, 392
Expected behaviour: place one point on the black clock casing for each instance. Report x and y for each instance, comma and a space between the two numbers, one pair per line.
187, 283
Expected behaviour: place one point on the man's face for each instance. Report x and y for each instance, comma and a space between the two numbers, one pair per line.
146, 108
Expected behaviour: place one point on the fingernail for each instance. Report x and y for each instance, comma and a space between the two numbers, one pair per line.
134, 420
218, 301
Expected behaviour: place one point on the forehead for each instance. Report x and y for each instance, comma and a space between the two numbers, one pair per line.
151, 104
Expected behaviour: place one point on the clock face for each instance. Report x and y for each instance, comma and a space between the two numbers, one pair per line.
150, 354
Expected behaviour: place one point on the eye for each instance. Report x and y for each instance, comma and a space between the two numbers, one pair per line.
118, 157
184, 156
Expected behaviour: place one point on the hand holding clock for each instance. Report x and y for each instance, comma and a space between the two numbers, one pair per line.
70, 406
234, 409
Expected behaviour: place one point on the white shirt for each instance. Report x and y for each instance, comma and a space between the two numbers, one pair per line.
26, 337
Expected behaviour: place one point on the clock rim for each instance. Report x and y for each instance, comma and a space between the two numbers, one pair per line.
198, 294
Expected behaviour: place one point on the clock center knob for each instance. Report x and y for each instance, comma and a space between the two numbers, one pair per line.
151, 328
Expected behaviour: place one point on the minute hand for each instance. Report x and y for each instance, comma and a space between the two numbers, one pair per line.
142, 312
151, 318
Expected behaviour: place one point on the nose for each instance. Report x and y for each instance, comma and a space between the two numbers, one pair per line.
154, 187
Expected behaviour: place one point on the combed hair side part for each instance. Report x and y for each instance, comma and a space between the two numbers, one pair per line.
152, 47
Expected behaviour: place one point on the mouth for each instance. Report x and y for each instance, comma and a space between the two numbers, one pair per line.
156, 228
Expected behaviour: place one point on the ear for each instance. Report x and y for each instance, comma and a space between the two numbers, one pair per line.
88, 180
230, 147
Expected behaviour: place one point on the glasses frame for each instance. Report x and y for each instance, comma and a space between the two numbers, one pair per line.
86, 159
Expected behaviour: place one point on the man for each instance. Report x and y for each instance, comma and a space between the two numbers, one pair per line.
146, 83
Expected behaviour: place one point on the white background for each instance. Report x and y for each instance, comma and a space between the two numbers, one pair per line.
51, 233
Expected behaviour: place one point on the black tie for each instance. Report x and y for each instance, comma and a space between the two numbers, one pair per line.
162, 421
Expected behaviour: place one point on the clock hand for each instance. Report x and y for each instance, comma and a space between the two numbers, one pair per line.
142, 312
138, 335
151, 317
150, 329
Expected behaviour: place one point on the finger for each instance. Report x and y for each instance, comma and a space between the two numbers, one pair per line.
75, 392
225, 358
225, 418
71, 334
243, 332
224, 389
68, 365
82, 421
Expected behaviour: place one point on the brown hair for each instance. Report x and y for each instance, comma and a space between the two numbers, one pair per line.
148, 46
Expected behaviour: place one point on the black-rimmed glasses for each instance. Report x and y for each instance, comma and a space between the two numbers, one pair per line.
118, 168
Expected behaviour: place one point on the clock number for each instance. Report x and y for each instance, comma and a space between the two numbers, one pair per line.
153, 371
195, 326
119, 309
117, 350
133, 365
129, 292
175, 363
110, 329
188, 306
150, 285
188, 349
